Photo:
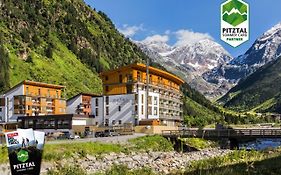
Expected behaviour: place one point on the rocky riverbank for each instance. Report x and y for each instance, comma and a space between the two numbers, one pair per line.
159, 162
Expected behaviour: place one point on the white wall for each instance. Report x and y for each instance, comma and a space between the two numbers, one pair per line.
2, 113
80, 122
126, 114
9, 97
140, 104
72, 104
99, 119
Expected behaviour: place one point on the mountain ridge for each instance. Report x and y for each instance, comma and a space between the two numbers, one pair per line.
265, 49
190, 61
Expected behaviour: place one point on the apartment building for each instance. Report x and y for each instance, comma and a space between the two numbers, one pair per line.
129, 83
30, 98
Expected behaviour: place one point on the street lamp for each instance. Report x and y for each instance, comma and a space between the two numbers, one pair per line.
147, 85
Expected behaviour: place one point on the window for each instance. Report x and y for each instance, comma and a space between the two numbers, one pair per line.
120, 78
120, 122
26, 90
107, 100
136, 98
97, 111
142, 110
97, 123
57, 94
107, 110
149, 100
113, 122
0, 109
149, 110
138, 76
150, 78
106, 121
119, 108
142, 98
2, 101
129, 89
39, 91
106, 78
106, 88
136, 108
97, 102
129, 78
48, 93
155, 111
155, 100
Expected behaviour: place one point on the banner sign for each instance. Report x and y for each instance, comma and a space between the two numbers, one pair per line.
25, 148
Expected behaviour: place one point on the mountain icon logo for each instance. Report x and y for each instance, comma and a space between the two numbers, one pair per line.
235, 12
22, 156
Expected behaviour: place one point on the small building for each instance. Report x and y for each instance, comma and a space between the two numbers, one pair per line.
30, 98
81, 104
57, 123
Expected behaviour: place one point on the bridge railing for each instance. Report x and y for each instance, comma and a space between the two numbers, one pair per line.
208, 133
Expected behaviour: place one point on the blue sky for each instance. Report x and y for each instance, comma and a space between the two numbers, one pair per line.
175, 20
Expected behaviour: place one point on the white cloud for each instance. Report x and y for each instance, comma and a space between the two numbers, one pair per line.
185, 37
167, 32
130, 31
156, 38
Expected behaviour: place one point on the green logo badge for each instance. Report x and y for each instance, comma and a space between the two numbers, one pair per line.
235, 22
22, 156
235, 12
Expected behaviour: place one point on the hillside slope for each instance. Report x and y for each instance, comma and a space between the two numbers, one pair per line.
260, 92
62, 42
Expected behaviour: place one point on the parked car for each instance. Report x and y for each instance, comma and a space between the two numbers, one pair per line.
110, 133
99, 134
76, 137
107, 133
70, 137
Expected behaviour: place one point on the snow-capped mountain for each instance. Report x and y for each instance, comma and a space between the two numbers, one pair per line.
189, 61
264, 50
234, 11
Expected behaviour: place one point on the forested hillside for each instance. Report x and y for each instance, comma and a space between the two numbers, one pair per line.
260, 92
59, 41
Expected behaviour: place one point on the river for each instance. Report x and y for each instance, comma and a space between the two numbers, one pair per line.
261, 144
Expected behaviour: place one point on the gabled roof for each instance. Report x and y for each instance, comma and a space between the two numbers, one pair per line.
85, 94
34, 83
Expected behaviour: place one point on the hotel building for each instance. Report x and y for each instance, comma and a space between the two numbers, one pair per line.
125, 97
30, 98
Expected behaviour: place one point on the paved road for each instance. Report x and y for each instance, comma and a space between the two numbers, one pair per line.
115, 139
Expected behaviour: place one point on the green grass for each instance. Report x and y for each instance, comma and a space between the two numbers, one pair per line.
56, 152
3, 154
67, 170
265, 105
114, 170
124, 170
237, 163
199, 143
152, 143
